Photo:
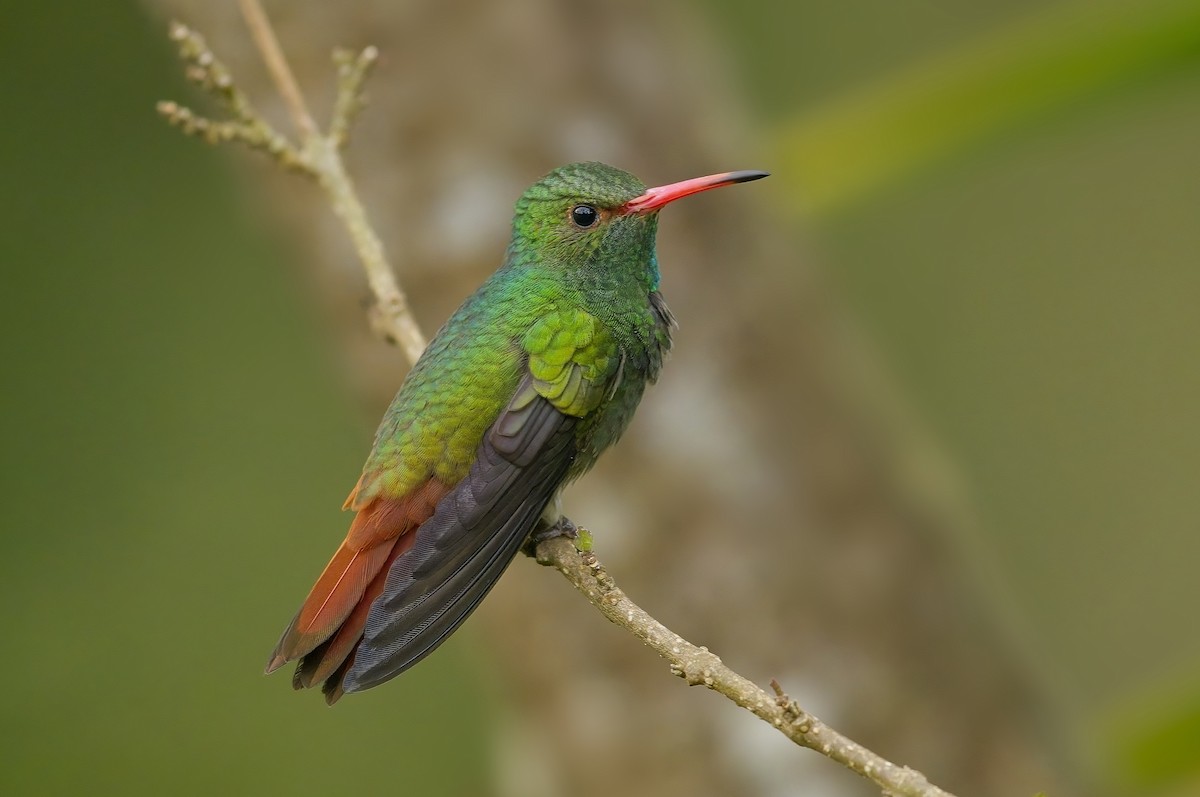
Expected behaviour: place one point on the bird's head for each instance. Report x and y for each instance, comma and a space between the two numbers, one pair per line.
589, 215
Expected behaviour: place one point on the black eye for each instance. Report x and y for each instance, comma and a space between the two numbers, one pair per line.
584, 215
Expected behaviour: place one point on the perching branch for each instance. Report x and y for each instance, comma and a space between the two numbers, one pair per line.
701, 667
318, 155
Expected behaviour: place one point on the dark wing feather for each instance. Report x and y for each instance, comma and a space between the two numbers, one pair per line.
474, 533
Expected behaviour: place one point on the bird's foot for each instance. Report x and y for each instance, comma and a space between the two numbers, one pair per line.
563, 527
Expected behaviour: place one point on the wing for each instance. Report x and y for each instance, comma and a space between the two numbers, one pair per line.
478, 527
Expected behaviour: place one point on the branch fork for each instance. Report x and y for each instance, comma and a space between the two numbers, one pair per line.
316, 155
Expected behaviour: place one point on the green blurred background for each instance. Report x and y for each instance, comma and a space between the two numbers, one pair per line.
1005, 195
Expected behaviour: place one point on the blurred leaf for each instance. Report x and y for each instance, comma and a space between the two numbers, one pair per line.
857, 145
1156, 744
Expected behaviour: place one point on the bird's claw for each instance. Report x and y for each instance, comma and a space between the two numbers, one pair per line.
563, 527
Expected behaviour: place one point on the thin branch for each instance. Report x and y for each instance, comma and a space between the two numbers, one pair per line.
277, 65
701, 667
247, 125
353, 70
390, 316
319, 157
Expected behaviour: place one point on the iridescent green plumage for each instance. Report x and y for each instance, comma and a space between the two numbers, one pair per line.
519, 392
563, 295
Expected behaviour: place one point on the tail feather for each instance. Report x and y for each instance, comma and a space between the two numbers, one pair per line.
329, 624
333, 688
323, 660
332, 599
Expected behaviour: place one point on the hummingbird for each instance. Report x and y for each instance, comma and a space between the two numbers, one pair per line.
536, 374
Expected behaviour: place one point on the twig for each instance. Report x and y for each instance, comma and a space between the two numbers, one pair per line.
319, 157
277, 65
701, 667
246, 126
353, 69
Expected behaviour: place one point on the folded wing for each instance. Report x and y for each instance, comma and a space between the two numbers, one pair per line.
475, 531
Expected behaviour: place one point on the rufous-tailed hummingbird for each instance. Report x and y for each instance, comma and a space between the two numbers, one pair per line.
531, 378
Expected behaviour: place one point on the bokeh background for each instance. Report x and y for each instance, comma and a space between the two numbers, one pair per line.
927, 451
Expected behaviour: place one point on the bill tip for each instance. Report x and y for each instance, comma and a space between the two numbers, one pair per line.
749, 175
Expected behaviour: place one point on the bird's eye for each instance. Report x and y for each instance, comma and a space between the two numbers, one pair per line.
584, 215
